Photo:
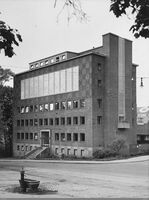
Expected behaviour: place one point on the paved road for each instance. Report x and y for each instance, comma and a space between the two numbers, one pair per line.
125, 179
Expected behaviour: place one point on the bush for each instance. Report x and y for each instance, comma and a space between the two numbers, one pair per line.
111, 150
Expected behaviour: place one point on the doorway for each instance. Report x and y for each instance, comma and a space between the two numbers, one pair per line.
45, 138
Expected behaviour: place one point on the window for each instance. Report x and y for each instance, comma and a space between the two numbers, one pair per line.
75, 137
99, 119
46, 107
82, 103
62, 120
46, 62
41, 64
52, 60
51, 121
63, 105
18, 136
30, 148
146, 138
68, 136
68, 120
18, 122
82, 137
31, 122
56, 151
63, 137
75, 120
57, 59
36, 108
26, 136
18, 147
22, 122
68, 152
69, 104
26, 109
99, 66
75, 152
26, 148
22, 136
40, 122
41, 106
82, 120
62, 150
51, 106
22, 148
56, 121
99, 83
36, 122
75, 104
99, 102
46, 121
37, 65
26, 122
63, 57
121, 118
22, 109
56, 106
56, 136
35, 136
31, 136
82, 152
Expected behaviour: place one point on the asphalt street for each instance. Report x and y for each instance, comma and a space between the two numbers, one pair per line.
110, 179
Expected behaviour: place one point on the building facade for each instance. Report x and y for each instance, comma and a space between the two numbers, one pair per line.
75, 103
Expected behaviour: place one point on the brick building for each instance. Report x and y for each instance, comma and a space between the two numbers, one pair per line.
75, 103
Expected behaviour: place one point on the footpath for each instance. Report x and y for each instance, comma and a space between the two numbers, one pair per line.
133, 159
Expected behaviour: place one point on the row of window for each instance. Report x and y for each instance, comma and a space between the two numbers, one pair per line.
58, 151
52, 106
57, 136
48, 61
56, 121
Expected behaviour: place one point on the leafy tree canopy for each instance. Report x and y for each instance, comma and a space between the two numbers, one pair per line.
139, 9
8, 38
5, 75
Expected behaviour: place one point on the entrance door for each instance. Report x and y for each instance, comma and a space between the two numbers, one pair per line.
45, 138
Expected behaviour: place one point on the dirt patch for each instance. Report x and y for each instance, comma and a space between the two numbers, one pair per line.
39, 191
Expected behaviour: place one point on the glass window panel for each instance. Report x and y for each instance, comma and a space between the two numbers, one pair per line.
36, 86
75, 78
31, 86
27, 81
63, 81
46, 84
40, 85
57, 82
51, 83
22, 89
69, 79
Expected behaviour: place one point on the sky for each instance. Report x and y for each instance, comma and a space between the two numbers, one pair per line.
45, 34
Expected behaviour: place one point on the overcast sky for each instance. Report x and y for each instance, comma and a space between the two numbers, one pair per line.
43, 36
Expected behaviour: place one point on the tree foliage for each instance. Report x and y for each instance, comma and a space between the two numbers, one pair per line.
139, 9
8, 38
6, 115
5, 75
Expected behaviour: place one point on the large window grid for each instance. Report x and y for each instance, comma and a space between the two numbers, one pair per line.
58, 82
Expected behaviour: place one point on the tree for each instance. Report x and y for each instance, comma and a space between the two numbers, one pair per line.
5, 75
8, 38
74, 9
6, 118
139, 9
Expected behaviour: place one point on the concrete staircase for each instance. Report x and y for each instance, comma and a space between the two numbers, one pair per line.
35, 152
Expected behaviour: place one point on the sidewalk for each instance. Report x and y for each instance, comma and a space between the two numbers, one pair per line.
128, 160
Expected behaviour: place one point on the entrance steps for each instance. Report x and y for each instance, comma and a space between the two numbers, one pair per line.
35, 152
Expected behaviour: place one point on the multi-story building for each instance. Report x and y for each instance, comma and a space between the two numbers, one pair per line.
77, 102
